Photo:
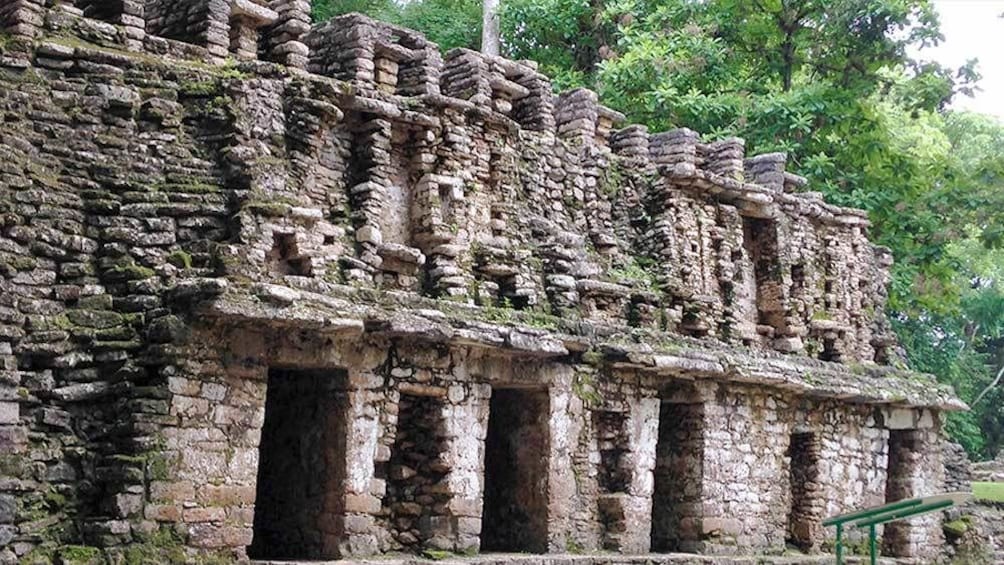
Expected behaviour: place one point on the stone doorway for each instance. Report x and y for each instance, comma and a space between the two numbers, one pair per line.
301, 464
677, 503
805, 513
416, 503
516, 454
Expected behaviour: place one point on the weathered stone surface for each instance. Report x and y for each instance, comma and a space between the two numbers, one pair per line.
405, 301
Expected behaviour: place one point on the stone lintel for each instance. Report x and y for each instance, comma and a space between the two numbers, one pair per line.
253, 13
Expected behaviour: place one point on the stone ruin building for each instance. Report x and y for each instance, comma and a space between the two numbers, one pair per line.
272, 291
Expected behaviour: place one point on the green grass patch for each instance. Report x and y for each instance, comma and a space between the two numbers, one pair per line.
993, 492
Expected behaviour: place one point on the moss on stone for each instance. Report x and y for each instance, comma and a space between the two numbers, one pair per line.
436, 554
180, 259
271, 209
80, 555
13, 465
95, 319
158, 467
38, 556
160, 547
20, 263
584, 387
199, 87
592, 357
131, 272
957, 528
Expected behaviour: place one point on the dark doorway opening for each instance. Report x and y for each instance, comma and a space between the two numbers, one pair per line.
806, 511
301, 464
516, 456
677, 504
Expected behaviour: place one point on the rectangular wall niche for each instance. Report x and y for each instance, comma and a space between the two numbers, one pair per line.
805, 514
612, 441
904, 463
760, 242
301, 464
613, 474
677, 504
516, 456
416, 503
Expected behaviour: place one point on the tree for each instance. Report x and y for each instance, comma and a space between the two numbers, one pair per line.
490, 40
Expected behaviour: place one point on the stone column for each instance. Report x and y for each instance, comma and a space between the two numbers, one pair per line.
466, 425
246, 17
561, 484
636, 507
13, 439
22, 20
745, 472
363, 492
915, 469
285, 35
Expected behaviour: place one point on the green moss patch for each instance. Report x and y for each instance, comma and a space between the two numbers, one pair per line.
80, 555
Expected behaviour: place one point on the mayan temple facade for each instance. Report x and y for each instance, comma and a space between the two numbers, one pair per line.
271, 290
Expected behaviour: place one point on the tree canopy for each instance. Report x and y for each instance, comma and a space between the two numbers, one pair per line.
842, 86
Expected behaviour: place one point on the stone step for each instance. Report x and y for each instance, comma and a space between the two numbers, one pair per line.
594, 559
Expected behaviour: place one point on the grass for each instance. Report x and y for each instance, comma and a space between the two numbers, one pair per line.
993, 492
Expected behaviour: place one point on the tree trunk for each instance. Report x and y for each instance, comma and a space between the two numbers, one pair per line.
490, 28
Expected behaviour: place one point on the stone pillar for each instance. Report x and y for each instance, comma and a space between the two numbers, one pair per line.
643, 429
745, 472
767, 170
22, 20
676, 150
466, 426
246, 17
577, 114
284, 36
130, 14
915, 470
363, 491
561, 484
725, 157
13, 440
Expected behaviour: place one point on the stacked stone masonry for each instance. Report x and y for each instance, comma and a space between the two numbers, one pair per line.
275, 291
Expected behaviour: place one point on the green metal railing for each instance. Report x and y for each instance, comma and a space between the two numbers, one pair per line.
900, 510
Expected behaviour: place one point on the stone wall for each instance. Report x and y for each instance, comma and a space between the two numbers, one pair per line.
410, 238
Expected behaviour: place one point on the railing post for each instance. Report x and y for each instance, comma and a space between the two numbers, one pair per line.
871, 543
840, 544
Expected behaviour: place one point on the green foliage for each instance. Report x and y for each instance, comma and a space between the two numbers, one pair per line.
449, 23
